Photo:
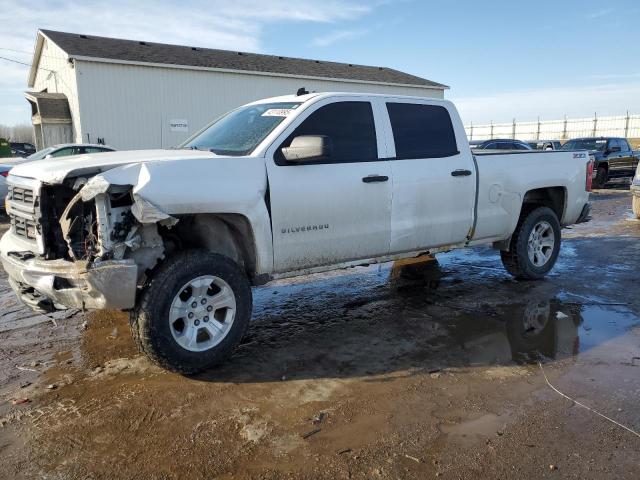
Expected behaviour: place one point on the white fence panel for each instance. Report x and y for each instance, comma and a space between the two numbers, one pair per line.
615, 126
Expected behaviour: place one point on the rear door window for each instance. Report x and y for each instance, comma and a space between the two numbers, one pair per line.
422, 131
349, 125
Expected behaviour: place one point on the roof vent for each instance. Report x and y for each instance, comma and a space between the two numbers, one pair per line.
83, 36
380, 68
240, 53
281, 58
302, 91
317, 61
195, 49
142, 43
351, 64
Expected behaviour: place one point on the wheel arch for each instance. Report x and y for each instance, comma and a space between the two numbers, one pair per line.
554, 198
227, 234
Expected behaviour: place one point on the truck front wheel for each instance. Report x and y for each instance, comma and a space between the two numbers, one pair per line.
193, 312
534, 246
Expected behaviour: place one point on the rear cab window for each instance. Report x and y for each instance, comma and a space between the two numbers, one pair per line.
421, 131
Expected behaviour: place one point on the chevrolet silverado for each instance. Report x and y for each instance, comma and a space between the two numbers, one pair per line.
280, 187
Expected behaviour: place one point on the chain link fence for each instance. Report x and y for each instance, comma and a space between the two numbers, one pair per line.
627, 126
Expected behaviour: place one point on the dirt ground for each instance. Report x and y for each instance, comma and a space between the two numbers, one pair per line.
366, 373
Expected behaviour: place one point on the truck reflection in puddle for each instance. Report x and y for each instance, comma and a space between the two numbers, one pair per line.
539, 328
526, 333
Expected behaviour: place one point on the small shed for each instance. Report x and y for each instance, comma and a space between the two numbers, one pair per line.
51, 118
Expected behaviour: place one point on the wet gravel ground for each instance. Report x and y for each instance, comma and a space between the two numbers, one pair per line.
378, 372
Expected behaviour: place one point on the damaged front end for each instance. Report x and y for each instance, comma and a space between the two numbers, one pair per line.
87, 243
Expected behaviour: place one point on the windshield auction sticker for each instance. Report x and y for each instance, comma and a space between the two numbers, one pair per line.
277, 112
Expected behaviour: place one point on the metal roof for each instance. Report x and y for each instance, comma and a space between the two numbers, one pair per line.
119, 50
51, 106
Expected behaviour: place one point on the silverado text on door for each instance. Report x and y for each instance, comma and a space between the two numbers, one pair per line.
280, 187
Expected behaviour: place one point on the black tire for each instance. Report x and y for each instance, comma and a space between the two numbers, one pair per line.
516, 261
602, 177
150, 319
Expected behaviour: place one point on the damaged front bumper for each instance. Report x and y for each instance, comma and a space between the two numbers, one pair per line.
48, 285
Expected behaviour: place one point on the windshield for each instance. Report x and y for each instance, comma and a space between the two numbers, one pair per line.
240, 131
585, 144
40, 154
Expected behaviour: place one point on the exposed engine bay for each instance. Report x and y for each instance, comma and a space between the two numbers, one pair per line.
82, 243
90, 220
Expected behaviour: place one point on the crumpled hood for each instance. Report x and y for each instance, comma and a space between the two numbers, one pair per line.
55, 170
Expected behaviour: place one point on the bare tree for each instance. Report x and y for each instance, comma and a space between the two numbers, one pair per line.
18, 133
23, 133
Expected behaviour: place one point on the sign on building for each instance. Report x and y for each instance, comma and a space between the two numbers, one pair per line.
179, 125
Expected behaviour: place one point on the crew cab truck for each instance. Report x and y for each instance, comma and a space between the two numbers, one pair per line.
277, 188
613, 157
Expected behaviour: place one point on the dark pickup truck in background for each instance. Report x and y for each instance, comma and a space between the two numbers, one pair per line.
613, 156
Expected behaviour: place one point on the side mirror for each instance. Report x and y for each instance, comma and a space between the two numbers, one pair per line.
308, 148
48, 156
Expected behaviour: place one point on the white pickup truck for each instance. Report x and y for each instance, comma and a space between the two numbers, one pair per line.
281, 187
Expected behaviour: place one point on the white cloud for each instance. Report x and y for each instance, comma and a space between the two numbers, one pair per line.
616, 76
234, 25
337, 36
599, 13
551, 103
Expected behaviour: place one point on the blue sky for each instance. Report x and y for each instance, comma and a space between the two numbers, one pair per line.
502, 59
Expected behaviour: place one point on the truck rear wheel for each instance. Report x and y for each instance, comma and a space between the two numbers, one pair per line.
602, 177
534, 246
193, 313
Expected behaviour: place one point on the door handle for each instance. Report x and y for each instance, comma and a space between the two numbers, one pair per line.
375, 178
461, 173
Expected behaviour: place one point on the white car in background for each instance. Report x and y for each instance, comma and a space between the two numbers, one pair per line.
63, 150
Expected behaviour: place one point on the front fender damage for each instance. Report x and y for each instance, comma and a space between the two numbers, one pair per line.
124, 223
102, 238
135, 177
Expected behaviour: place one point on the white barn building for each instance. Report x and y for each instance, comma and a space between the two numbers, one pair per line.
132, 95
